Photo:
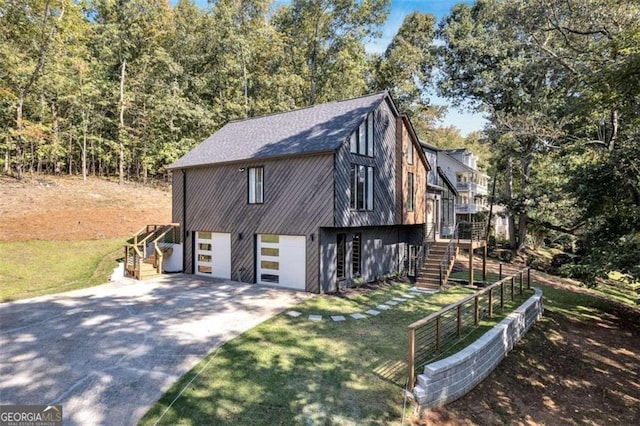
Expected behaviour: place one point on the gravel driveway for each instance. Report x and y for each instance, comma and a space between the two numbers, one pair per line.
107, 353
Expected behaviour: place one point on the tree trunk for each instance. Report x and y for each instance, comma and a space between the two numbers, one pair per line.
84, 152
509, 196
121, 128
19, 152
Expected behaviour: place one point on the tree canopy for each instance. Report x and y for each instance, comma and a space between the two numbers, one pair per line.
125, 87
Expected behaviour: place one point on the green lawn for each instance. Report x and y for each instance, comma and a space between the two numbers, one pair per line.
34, 268
296, 371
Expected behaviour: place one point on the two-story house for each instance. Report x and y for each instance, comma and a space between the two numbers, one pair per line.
460, 167
306, 199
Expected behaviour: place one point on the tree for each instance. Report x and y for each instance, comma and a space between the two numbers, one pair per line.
324, 42
406, 66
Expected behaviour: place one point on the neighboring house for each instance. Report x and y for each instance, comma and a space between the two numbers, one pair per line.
460, 167
500, 222
307, 199
441, 196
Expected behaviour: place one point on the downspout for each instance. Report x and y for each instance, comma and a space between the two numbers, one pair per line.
184, 220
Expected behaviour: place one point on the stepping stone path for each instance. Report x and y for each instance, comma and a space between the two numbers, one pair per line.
371, 312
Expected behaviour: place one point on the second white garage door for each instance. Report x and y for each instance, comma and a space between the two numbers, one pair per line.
282, 260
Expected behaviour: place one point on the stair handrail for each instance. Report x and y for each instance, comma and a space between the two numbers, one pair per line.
143, 242
156, 247
425, 248
449, 253
139, 246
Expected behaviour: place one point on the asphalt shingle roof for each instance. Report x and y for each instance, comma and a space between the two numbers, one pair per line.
314, 129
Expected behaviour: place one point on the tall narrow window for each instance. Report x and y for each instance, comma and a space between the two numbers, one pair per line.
369, 197
256, 185
356, 252
410, 153
370, 135
341, 249
361, 187
410, 192
361, 141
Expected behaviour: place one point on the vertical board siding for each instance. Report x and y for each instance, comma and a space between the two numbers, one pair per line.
419, 213
298, 199
400, 199
384, 201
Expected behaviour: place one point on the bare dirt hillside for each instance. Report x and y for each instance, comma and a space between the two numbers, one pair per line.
68, 208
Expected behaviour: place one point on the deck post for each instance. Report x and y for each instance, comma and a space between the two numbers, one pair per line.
490, 302
476, 311
471, 263
484, 263
412, 357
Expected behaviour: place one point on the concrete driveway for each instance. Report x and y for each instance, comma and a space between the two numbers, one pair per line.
107, 353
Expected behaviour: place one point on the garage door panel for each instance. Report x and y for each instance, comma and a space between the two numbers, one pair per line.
213, 254
282, 260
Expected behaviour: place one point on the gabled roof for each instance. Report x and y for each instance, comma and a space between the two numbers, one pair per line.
460, 164
319, 128
447, 182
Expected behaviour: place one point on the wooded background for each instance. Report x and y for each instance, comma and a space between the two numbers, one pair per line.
125, 87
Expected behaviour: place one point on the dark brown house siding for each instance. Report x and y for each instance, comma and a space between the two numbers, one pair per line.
384, 162
298, 199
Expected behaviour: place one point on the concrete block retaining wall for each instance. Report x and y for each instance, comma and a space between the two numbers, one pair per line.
449, 379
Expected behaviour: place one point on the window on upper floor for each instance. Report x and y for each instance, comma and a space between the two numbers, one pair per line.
410, 192
410, 153
461, 177
256, 185
361, 141
361, 187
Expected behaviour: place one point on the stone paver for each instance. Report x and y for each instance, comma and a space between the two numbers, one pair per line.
315, 317
338, 318
373, 312
383, 307
107, 353
358, 316
294, 314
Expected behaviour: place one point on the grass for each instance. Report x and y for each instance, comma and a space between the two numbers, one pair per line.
296, 371
34, 268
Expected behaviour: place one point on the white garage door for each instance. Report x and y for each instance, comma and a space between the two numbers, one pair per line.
213, 254
282, 260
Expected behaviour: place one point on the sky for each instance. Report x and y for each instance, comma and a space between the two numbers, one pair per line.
465, 121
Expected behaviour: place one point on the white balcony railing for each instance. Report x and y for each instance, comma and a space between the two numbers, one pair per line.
470, 208
472, 186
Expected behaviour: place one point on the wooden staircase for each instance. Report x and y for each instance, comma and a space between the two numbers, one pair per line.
146, 250
437, 266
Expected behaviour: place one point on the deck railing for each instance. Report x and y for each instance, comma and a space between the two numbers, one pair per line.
416, 262
430, 336
473, 231
149, 240
448, 256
